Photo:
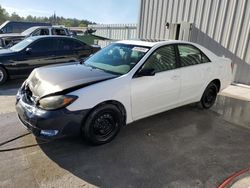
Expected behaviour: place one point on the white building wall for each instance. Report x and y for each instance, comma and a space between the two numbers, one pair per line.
115, 32
223, 26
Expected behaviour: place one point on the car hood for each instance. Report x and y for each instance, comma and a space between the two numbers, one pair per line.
7, 35
62, 79
4, 52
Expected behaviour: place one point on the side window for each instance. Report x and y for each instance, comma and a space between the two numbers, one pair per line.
204, 58
80, 46
190, 55
162, 59
44, 32
58, 32
43, 45
41, 32
9, 29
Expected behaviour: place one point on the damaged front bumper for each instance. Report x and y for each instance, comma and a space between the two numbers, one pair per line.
49, 124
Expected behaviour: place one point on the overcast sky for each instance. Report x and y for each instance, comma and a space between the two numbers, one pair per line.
100, 11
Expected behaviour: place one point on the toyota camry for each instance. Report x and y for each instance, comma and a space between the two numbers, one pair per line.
122, 83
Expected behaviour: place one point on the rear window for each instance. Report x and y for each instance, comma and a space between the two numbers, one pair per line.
190, 55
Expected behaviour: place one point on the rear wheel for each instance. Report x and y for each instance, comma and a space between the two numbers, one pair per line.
209, 96
102, 125
3, 75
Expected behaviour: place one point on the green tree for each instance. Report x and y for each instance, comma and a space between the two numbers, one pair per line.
29, 18
3, 15
55, 20
82, 25
15, 17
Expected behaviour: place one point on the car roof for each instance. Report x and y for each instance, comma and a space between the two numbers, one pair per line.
44, 26
138, 42
50, 36
151, 43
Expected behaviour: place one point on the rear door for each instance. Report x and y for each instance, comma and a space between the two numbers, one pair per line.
154, 94
71, 50
195, 72
81, 49
65, 51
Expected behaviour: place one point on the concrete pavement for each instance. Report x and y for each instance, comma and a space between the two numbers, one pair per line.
184, 147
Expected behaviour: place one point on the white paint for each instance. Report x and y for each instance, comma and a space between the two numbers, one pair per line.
145, 96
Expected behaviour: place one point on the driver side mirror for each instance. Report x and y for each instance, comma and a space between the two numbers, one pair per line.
145, 72
28, 50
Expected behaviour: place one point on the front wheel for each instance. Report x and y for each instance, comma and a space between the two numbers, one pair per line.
102, 125
3, 76
209, 96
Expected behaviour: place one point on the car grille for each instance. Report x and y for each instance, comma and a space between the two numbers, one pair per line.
28, 96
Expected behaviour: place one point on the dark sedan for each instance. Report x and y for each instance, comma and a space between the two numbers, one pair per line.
22, 58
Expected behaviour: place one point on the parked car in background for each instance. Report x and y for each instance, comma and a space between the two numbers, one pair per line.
45, 30
19, 26
122, 83
10, 39
32, 52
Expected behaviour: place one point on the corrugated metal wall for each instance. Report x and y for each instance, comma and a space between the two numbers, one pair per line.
223, 26
115, 32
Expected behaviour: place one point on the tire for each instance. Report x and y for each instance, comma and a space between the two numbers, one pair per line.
209, 96
102, 125
3, 76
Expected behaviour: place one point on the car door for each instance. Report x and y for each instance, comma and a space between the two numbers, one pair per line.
195, 71
154, 94
40, 53
65, 51
71, 50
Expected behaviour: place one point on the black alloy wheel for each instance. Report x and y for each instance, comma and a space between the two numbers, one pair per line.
209, 96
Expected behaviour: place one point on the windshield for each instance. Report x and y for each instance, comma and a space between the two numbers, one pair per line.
117, 58
21, 45
28, 31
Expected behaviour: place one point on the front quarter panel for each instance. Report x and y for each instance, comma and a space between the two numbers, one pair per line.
117, 89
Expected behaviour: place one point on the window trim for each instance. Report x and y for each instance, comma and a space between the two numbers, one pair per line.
187, 44
176, 59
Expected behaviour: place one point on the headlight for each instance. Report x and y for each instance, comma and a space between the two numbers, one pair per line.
55, 102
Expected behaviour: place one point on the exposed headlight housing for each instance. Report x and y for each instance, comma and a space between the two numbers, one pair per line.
56, 102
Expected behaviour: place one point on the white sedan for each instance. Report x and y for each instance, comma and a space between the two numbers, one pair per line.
122, 83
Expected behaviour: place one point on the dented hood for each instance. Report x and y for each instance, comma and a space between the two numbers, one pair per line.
60, 78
